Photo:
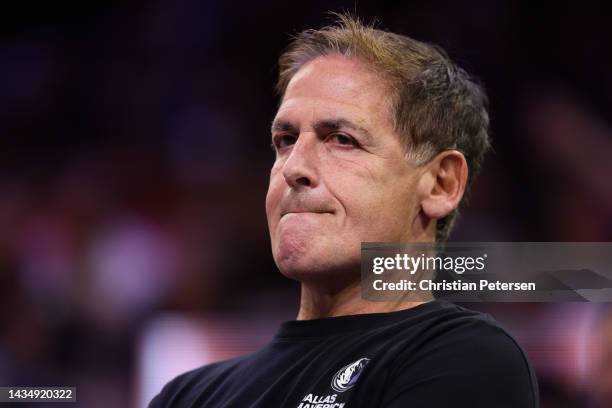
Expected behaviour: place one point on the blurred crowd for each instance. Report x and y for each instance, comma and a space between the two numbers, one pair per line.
134, 164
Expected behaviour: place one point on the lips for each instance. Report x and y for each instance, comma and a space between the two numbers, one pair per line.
283, 213
305, 204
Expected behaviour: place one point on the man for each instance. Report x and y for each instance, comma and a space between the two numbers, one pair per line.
377, 138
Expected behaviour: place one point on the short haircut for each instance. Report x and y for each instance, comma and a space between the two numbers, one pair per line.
436, 105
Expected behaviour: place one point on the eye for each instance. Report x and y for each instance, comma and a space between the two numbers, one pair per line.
342, 139
285, 140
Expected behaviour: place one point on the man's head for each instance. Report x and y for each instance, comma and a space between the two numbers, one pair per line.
374, 137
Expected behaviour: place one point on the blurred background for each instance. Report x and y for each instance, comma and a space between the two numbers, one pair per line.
134, 160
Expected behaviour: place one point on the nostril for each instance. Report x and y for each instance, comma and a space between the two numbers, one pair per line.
303, 181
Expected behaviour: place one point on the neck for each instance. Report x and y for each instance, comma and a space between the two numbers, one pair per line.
318, 301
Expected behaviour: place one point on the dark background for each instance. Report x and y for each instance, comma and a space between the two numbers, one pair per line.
134, 161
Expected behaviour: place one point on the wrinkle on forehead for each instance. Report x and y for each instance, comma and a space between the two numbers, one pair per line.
340, 80
333, 74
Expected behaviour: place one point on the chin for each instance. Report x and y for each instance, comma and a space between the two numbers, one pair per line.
313, 266
297, 265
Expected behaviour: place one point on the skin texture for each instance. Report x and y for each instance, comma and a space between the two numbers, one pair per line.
341, 177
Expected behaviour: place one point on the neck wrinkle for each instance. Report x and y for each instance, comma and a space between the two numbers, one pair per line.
318, 302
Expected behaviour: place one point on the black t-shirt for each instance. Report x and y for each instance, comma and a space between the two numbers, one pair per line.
434, 355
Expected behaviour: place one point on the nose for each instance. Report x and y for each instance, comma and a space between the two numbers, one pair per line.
302, 166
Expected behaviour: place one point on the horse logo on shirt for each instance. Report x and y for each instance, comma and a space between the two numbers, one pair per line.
347, 376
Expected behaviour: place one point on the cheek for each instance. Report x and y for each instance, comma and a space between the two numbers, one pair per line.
273, 198
378, 204
356, 186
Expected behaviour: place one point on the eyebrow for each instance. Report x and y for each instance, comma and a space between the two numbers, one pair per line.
282, 126
323, 125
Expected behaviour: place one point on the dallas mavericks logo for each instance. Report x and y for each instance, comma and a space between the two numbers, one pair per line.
347, 376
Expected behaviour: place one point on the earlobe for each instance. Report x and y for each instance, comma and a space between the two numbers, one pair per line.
444, 184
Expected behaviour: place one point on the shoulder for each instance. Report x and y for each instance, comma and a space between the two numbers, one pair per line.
185, 387
446, 323
480, 343
469, 354
478, 335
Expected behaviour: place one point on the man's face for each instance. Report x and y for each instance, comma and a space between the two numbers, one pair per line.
340, 176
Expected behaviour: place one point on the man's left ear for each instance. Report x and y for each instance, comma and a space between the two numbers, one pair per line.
443, 183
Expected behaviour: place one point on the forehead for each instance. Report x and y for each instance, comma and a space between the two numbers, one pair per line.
336, 86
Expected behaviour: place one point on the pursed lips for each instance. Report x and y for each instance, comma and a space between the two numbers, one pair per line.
305, 211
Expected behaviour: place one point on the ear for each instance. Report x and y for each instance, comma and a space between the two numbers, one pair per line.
443, 183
